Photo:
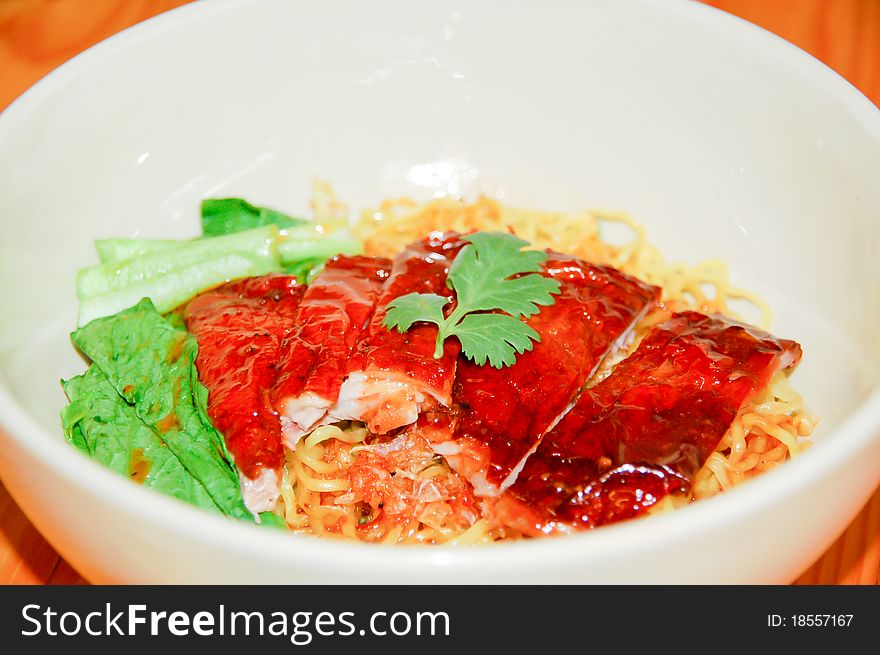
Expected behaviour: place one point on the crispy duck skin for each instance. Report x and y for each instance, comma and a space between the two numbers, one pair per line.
330, 321
392, 376
647, 429
502, 414
239, 328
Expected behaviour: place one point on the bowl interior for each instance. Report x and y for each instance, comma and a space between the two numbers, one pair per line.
721, 141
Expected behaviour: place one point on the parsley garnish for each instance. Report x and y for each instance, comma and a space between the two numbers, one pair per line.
482, 276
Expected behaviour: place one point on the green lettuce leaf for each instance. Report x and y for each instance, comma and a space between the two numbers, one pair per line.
151, 365
270, 520
101, 423
227, 215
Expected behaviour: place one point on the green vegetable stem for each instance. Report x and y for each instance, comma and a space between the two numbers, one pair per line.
174, 274
240, 240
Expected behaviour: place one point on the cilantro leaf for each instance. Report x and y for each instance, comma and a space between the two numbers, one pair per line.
491, 274
413, 307
480, 271
496, 337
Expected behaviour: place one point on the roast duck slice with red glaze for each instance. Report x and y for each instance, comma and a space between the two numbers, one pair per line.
645, 430
501, 415
330, 322
239, 328
392, 376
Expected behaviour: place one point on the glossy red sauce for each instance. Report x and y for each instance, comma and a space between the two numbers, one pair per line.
239, 328
421, 267
503, 413
645, 430
331, 318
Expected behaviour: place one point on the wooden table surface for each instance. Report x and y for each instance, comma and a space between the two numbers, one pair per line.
38, 35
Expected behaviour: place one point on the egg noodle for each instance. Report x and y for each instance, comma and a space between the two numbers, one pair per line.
336, 484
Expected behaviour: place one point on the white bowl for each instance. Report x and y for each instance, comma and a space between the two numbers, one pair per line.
722, 139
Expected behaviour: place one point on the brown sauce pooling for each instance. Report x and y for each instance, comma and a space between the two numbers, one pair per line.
139, 466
